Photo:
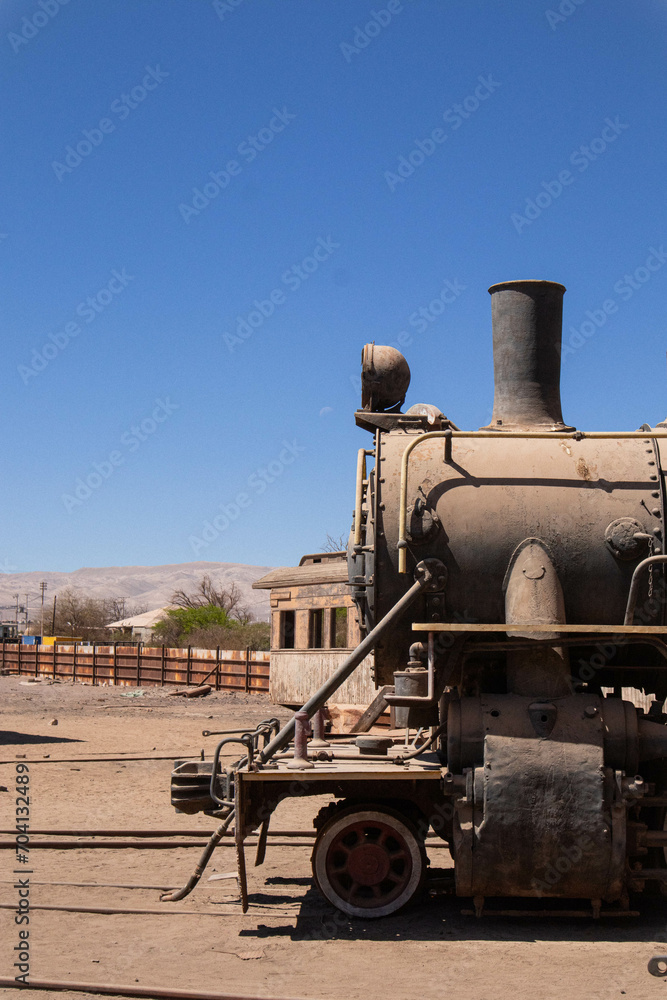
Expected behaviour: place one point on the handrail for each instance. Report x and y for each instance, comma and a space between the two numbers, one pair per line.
359, 495
402, 543
634, 585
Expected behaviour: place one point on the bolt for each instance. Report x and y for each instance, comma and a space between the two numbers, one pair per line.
590, 711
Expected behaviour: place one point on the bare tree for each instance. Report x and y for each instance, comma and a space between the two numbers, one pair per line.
337, 544
83, 617
230, 599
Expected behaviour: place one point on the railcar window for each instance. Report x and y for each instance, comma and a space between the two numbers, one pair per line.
341, 628
316, 628
287, 630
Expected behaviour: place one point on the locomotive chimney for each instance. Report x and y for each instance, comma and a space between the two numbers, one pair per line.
527, 328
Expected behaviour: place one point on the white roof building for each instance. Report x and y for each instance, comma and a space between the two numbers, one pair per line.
141, 626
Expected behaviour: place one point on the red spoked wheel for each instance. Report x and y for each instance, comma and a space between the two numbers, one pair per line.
369, 862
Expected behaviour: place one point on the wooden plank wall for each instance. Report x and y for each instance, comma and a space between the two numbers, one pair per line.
140, 666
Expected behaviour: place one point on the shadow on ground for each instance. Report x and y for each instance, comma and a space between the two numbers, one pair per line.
22, 739
441, 918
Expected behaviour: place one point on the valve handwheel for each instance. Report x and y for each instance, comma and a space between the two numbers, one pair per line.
369, 862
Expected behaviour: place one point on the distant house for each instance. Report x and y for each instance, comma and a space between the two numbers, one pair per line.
314, 627
139, 627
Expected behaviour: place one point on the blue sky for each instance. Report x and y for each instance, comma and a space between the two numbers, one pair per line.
209, 208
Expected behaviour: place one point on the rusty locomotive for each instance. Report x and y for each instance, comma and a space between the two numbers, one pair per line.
510, 583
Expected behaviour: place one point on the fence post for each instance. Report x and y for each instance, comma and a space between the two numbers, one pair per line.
217, 668
37, 657
138, 663
247, 668
114, 668
188, 669
54, 658
74, 663
162, 668
94, 663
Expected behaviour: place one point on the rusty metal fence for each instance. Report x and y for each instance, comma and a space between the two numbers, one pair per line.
140, 666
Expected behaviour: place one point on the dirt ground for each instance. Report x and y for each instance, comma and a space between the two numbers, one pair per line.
290, 943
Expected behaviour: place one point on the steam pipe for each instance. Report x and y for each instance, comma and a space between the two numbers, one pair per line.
216, 837
497, 435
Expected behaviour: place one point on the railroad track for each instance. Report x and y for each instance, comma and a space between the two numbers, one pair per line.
150, 992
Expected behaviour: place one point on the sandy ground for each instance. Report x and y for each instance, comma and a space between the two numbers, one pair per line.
290, 943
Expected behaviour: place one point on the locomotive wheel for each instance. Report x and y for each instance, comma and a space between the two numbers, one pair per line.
369, 862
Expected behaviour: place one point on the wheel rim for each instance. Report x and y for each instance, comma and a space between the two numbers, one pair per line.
368, 863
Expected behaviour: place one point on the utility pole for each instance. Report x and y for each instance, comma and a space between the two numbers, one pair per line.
42, 587
53, 620
26, 612
16, 612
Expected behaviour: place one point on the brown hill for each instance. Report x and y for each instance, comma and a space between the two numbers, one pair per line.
148, 586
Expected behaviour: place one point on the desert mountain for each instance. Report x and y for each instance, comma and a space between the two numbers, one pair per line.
149, 586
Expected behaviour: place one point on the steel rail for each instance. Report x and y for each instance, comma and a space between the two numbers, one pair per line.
139, 845
97, 760
109, 989
147, 833
93, 885
131, 911
499, 435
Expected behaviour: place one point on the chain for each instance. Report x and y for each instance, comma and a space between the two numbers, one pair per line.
651, 546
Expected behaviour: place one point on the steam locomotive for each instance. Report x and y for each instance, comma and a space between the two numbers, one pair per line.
510, 582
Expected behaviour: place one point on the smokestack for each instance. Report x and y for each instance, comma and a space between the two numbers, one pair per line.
527, 329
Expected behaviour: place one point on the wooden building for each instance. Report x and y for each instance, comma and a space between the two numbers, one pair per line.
314, 626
